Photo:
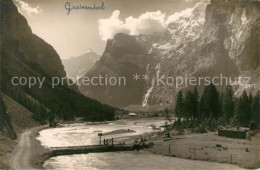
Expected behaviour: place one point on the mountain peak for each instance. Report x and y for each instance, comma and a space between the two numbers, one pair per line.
78, 66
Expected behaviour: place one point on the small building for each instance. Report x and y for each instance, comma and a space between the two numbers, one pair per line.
132, 114
232, 133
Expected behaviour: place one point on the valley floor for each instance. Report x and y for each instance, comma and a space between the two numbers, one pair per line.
211, 147
206, 147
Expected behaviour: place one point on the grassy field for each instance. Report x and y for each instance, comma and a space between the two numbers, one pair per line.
211, 147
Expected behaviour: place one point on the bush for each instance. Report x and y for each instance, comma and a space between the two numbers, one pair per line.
212, 124
200, 129
253, 125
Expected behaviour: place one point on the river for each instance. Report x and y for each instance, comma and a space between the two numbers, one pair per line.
86, 134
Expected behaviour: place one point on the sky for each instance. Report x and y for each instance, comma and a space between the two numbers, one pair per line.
81, 30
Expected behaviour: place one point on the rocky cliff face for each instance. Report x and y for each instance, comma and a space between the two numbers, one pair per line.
6, 126
24, 54
16, 34
127, 55
212, 39
124, 56
228, 45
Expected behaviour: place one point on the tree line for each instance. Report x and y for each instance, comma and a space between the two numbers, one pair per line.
215, 108
47, 103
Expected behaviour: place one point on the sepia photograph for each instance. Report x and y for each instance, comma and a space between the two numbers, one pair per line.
129, 84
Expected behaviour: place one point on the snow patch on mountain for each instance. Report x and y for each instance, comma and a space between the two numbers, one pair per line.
155, 22
188, 24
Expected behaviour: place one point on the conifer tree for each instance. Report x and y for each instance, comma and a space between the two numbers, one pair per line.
188, 105
228, 103
211, 99
179, 106
195, 103
256, 110
243, 109
202, 109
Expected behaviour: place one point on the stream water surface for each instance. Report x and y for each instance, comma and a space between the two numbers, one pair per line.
86, 134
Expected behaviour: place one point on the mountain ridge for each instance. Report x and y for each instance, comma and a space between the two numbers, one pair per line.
78, 66
225, 42
24, 54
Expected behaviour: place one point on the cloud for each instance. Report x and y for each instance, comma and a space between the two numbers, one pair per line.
111, 26
150, 22
174, 17
24, 6
147, 23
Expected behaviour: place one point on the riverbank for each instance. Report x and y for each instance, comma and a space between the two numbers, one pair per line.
28, 153
21, 120
204, 147
210, 147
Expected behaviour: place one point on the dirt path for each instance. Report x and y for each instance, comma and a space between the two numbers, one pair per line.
29, 153
22, 155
